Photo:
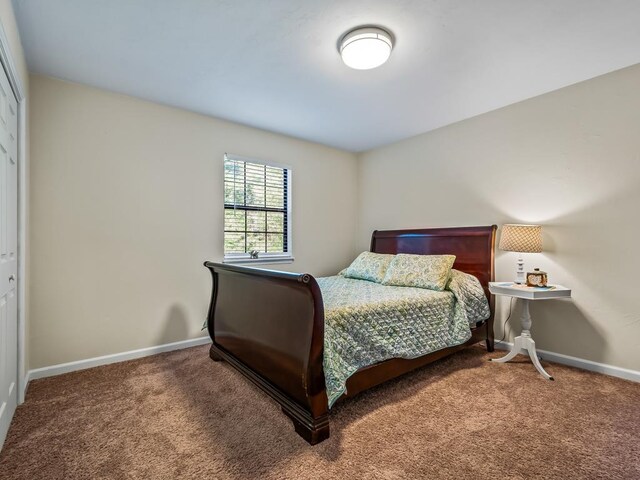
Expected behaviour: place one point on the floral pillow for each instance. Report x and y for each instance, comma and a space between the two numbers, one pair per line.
369, 266
422, 271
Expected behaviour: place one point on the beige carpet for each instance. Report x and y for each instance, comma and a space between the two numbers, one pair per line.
180, 415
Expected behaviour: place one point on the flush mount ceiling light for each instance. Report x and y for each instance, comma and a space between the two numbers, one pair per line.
366, 47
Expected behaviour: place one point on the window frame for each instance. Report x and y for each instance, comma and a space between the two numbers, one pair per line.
239, 258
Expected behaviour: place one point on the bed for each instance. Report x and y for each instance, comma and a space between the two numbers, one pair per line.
270, 325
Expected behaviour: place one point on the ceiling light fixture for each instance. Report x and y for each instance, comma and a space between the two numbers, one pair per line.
365, 47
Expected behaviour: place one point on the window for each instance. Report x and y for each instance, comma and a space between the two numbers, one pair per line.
256, 211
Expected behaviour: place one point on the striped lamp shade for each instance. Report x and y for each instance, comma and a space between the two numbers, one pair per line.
521, 238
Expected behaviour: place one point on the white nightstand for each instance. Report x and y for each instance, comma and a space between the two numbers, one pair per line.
524, 340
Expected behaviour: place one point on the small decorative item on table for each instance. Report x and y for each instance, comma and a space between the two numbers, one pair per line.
537, 278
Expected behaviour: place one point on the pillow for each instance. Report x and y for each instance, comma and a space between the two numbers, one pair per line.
369, 266
422, 271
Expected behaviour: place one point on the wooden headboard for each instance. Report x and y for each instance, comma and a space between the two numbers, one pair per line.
472, 246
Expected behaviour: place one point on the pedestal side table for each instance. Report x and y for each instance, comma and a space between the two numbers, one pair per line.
527, 294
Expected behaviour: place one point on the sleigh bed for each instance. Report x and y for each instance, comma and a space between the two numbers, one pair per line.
270, 325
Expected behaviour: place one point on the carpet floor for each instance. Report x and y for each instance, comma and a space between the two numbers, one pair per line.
180, 415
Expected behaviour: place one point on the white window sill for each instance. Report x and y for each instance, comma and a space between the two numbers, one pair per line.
257, 261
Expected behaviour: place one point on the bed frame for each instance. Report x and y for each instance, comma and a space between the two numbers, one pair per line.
269, 325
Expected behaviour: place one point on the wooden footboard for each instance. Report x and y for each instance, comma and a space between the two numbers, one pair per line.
270, 326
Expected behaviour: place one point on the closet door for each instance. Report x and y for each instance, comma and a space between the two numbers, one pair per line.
8, 254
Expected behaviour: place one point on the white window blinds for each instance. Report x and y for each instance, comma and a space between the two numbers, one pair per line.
256, 210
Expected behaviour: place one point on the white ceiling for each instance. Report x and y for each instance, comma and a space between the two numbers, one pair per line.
274, 64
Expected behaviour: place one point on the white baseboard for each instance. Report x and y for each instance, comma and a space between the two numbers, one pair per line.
611, 370
113, 358
59, 369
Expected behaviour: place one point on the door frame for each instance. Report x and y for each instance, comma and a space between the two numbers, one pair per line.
6, 58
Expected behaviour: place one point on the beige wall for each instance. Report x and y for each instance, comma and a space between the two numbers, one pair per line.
126, 204
569, 160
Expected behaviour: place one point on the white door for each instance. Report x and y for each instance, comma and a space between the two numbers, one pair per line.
8, 254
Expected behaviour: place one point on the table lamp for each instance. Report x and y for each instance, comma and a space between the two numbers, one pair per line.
521, 239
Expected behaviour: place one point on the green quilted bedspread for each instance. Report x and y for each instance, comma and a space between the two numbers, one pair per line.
367, 323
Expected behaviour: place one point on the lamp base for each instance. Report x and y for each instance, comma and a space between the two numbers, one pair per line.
520, 277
